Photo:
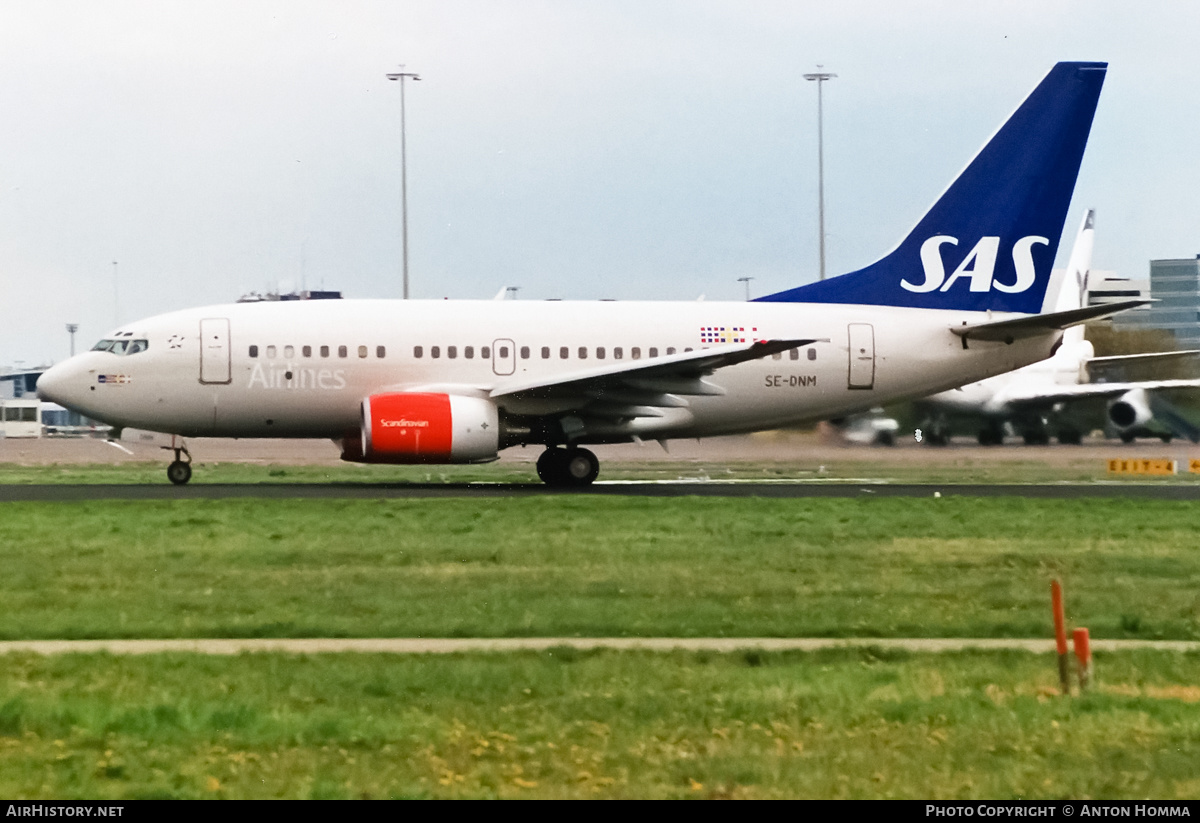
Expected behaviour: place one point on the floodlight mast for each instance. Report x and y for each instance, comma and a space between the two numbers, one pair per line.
402, 76
820, 77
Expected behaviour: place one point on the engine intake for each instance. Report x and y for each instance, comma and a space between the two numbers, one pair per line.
417, 427
1130, 409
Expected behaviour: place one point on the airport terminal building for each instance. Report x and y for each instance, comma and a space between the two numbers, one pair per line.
1175, 288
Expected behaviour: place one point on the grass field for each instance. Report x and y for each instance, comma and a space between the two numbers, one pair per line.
611, 566
843, 724
604, 724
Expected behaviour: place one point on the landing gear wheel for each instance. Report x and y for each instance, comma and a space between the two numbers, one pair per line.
1070, 437
549, 466
567, 467
179, 472
580, 467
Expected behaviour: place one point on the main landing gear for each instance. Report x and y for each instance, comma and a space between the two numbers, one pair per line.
180, 471
569, 467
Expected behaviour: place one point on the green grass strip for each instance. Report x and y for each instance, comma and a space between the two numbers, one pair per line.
597, 566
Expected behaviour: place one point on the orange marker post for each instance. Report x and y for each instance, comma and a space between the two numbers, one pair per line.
1060, 636
1083, 651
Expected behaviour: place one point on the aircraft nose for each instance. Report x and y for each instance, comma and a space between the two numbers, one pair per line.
57, 384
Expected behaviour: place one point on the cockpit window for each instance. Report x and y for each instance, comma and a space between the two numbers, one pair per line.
122, 347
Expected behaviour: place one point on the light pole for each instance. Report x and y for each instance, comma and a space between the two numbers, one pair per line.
402, 76
746, 280
71, 329
820, 77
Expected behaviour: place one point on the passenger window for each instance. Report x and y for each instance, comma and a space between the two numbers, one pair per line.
794, 354
688, 349
435, 351
306, 351
342, 351
653, 351
469, 352
564, 353
777, 355
270, 352
504, 351
635, 353
324, 351
545, 352
583, 352
253, 351
812, 354
524, 352
418, 351
452, 352
362, 351
618, 353
380, 352
599, 352
485, 352
671, 350
289, 352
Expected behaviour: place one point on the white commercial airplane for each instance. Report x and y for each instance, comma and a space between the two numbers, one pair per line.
1058, 394
959, 299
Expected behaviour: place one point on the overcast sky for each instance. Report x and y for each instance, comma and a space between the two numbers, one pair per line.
576, 148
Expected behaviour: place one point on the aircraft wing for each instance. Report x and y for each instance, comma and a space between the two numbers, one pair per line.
636, 388
1138, 359
1087, 391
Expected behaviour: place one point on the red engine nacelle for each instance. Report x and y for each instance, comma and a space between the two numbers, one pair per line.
415, 427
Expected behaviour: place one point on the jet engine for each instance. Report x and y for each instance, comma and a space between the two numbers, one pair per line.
1130, 410
417, 427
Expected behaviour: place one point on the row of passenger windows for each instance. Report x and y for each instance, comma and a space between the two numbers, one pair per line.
485, 352
564, 352
289, 352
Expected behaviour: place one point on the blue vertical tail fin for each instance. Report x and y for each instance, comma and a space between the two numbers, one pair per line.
990, 240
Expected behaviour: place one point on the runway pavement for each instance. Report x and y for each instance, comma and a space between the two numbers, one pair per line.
777, 490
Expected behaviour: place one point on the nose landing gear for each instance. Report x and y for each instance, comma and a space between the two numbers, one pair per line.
180, 470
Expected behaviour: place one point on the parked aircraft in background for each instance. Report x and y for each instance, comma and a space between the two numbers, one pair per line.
959, 299
1057, 396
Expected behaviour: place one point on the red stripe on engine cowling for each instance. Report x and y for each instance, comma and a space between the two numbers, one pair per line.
410, 424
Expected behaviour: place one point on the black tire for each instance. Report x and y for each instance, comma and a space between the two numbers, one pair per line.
579, 467
549, 466
1127, 437
1070, 437
179, 472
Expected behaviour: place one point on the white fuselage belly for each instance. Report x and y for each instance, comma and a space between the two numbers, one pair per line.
283, 393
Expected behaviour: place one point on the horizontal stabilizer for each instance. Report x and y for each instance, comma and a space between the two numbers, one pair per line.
1038, 324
